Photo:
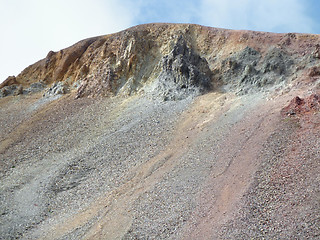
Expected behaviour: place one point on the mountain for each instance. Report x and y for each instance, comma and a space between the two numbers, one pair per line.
164, 131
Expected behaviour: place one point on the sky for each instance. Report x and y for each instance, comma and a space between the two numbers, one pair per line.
29, 29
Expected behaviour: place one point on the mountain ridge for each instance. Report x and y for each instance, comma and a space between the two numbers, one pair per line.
86, 61
164, 131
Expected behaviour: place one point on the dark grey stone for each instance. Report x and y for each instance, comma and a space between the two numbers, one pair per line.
183, 73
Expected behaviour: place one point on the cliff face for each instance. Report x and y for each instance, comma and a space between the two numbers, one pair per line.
185, 59
164, 131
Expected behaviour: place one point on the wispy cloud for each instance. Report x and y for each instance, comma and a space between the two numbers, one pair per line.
268, 15
29, 29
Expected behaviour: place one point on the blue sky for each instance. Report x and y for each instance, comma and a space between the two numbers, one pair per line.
31, 28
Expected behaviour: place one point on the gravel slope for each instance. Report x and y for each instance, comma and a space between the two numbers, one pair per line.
218, 166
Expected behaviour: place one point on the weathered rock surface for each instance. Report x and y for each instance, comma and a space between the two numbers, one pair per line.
183, 73
164, 131
301, 106
56, 89
173, 61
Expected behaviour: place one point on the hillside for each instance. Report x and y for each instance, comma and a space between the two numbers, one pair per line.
164, 131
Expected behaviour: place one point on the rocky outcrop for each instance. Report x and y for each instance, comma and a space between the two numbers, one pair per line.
183, 73
18, 89
248, 70
300, 106
173, 61
57, 89
11, 80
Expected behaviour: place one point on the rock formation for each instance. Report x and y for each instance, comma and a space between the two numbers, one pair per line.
191, 59
164, 131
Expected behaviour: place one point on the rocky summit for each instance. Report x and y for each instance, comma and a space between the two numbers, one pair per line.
164, 131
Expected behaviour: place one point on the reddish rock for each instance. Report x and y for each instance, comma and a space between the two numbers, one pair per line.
300, 106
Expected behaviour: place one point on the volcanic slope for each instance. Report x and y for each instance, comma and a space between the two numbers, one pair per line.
164, 131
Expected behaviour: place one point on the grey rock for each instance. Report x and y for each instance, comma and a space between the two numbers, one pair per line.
36, 87
58, 88
240, 69
14, 90
249, 71
8, 90
276, 61
183, 73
